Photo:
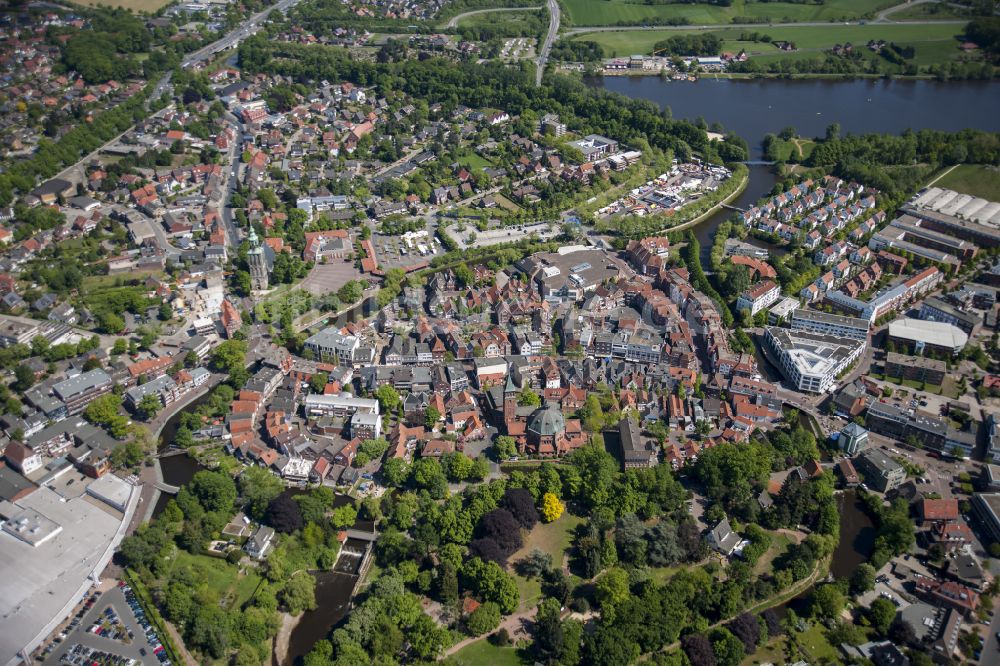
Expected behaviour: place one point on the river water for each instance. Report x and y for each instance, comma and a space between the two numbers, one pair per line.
753, 108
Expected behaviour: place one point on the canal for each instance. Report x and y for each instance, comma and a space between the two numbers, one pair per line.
856, 544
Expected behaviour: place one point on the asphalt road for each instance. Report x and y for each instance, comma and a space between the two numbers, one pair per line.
550, 37
245, 29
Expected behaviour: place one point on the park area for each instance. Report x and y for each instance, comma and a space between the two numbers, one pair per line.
978, 180
932, 43
618, 12
553, 538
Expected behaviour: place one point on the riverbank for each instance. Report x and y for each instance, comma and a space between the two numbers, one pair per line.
711, 211
747, 76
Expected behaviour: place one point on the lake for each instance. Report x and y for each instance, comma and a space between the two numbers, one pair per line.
753, 108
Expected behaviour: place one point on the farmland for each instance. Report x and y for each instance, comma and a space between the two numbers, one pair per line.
933, 43
619, 12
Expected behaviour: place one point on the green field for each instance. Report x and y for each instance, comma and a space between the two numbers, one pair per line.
484, 652
933, 11
232, 588
618, 12
978, 180
529, 21
933, 43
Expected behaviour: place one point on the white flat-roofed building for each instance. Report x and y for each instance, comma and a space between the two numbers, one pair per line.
783, 310
111, 490
339, 405
927, 335
812, 361
204, 326
31, 527
814, 321
42, 582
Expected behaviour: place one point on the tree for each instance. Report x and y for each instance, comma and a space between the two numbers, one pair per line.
396, 471
343, 516
120, 347
148, 406
229, 357
548, 631
747, 629
258, 487
299, 593
318, 382
492, 583
388, 398
728, 649
529, 398
126, 455
351, 292
165, 312
484, 619
501, 526
521, 505
506, 447
283, 514
827, 601
863, 579
552, 508
25, 378
592, 414
431, 418
535, 564
698, 650
611, 590
881, 613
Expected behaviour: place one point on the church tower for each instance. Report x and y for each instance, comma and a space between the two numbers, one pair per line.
257, 262
510, 394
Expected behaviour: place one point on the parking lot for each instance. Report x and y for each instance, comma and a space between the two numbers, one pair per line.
473, 237
137, 645
329, 277
396, 252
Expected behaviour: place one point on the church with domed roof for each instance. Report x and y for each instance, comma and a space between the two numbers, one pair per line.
539, 431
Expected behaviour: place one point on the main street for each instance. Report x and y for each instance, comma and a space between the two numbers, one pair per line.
238, 34
550, 37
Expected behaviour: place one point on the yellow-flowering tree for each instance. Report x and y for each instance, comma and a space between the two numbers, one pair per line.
552, 508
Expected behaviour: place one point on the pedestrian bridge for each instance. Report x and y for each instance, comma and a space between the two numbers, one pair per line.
166, 488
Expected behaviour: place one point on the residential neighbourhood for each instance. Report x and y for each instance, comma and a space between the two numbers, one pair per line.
359, 332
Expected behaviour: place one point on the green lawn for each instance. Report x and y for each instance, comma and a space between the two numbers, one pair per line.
475, 161
620, 12
978, 180
484, 652
552, 538
814, 642
795, 150
220, 576
933, 43
779, 544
